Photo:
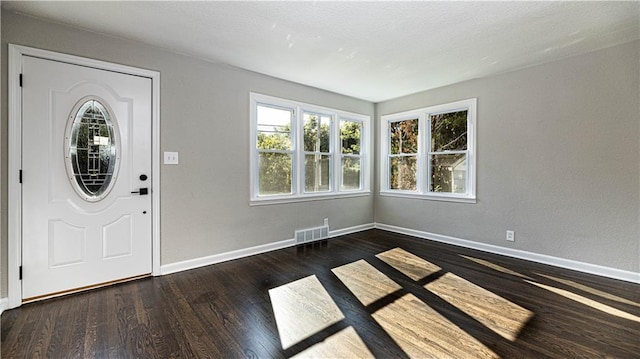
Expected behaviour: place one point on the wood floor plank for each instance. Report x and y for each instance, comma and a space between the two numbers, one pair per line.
495, 312
344, 344
365, 282
496, 267
424, 333
225, 310
302, 308
91, 327
595, 291
409, 264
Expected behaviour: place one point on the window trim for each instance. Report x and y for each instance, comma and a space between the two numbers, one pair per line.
424, 138
298, 180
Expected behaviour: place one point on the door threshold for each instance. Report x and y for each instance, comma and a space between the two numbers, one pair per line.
83, 289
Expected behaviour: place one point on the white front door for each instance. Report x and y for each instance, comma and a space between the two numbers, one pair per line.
86, 177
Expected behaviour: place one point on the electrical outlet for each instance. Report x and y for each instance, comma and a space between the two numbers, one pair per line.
326, 221
171, 158
511, 236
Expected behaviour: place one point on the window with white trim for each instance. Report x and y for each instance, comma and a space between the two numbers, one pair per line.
430, 152
303, 152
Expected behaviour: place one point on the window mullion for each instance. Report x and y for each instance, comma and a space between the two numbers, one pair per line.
298, 155
364, 148
448, 152
336, 154
274, 151
429, 153
471, 151
386, 146
424, 144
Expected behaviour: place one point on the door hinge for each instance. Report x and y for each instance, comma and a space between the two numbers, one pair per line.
20, 273
20, 80
20, 176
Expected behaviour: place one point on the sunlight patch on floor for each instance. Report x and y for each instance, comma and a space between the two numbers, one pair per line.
408, 263
496, 313
588, 289
589, 302
365, 282
421, 332
495, 267
302, 309
344, 344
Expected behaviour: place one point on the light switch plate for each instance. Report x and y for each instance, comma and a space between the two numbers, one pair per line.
171, 158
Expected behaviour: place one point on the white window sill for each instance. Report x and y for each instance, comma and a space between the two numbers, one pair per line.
306, 198
430, 197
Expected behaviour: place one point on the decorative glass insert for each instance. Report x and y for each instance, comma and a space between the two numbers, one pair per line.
91, 149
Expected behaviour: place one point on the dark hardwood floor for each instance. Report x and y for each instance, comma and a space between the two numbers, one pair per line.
464, 304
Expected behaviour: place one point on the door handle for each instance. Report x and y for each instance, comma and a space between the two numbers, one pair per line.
142, 191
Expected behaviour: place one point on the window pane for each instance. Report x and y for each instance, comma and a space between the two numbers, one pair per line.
274, 128
316, 173
449, 173
350, 173
449, 131
275, 173
404, 136
350, 136
403, 173
316, 133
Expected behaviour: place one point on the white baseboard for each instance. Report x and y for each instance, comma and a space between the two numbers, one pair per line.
4, 304
354, 229
603, 271
241, 253
223, 257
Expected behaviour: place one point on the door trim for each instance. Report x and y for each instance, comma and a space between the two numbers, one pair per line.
14, 204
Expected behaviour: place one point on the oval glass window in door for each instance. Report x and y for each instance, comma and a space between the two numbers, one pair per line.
92, 149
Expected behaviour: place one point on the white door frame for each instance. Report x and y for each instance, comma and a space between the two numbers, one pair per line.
14, 254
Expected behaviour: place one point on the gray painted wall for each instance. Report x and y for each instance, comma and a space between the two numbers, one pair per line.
558, 161
205, 116
558, 154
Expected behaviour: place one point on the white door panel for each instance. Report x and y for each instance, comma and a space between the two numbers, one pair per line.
71, 239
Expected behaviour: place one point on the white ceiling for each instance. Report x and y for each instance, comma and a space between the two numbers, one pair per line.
369, 50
